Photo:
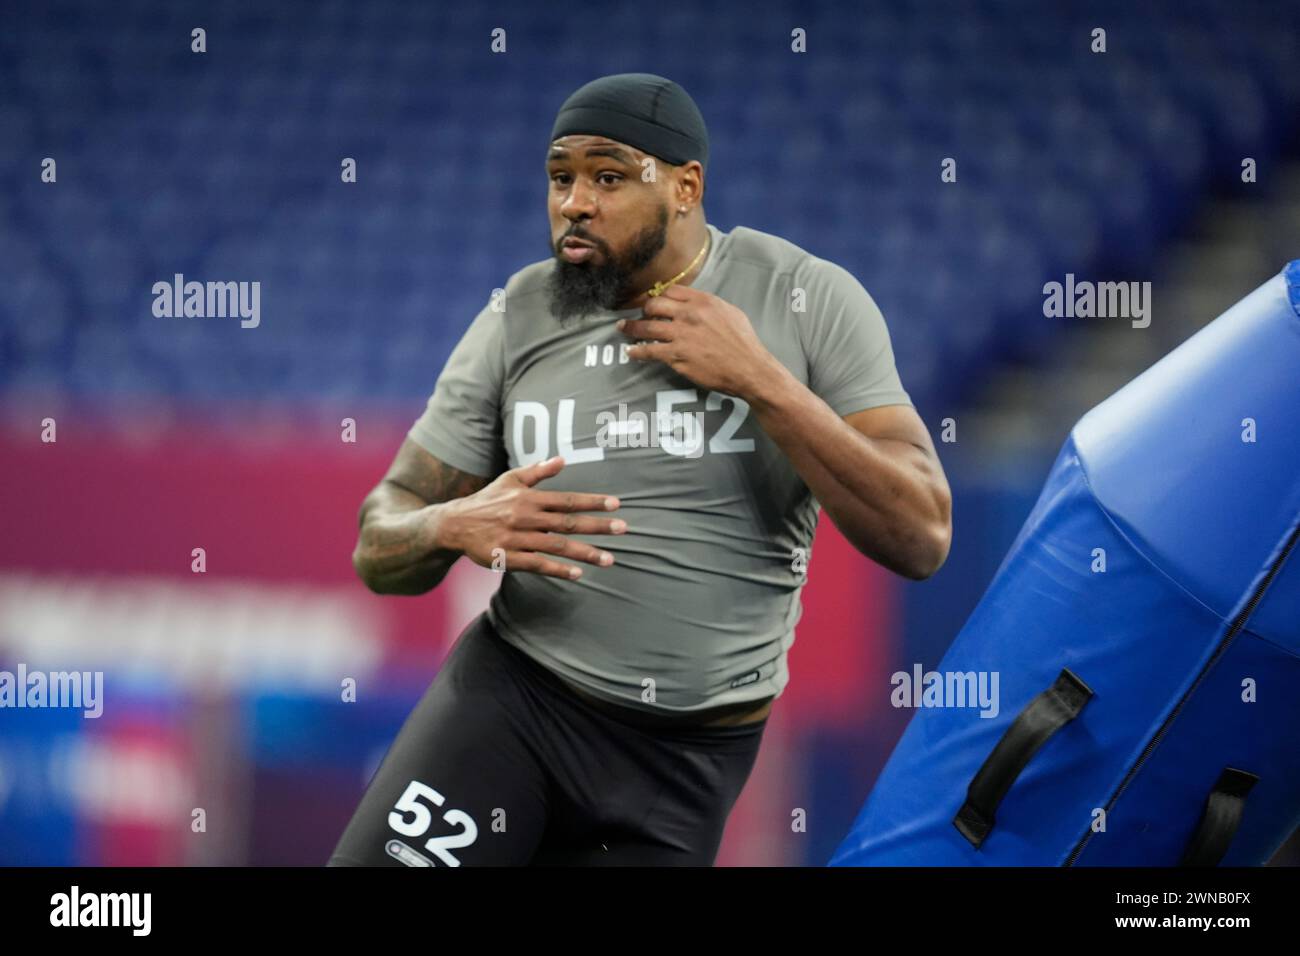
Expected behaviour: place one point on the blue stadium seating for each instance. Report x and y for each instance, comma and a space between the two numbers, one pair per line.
225, 166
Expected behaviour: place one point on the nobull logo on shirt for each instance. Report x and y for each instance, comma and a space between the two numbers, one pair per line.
607, 354
219, 300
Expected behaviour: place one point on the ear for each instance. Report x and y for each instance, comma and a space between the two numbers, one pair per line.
689, 184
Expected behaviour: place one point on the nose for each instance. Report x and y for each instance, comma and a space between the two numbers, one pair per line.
580, 203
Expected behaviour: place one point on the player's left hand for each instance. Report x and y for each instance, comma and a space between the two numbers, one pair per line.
705, 338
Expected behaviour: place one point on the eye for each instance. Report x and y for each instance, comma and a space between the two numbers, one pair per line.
606, 178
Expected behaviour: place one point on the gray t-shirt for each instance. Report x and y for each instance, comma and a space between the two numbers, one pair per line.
700, 606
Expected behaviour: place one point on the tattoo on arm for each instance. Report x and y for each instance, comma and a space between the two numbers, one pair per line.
441, 482
393, 554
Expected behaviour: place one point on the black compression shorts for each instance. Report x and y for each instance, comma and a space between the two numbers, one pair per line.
502, 764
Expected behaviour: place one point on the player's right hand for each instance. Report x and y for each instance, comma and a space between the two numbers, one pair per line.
513, 521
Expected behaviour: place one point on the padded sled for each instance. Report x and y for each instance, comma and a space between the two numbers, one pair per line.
1149, 713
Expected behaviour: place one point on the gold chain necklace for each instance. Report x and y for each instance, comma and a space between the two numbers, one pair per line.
659, 287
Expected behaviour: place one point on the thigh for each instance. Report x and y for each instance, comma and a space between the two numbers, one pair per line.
696, 778
461, 784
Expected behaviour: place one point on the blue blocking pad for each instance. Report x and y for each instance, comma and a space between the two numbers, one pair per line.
1145, 633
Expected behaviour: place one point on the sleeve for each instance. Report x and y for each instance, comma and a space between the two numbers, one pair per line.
461, 424
850, 358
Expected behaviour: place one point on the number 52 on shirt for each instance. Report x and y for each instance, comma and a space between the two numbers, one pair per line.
676, 432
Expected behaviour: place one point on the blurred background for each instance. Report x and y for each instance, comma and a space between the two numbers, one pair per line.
222, 689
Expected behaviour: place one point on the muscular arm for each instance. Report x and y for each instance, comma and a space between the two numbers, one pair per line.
400, 549
875, 472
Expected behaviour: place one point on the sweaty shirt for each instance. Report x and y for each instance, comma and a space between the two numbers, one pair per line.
699, 608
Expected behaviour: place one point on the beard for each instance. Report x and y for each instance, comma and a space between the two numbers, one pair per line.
581, 288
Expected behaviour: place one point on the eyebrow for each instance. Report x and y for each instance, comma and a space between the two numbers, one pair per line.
613, 152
